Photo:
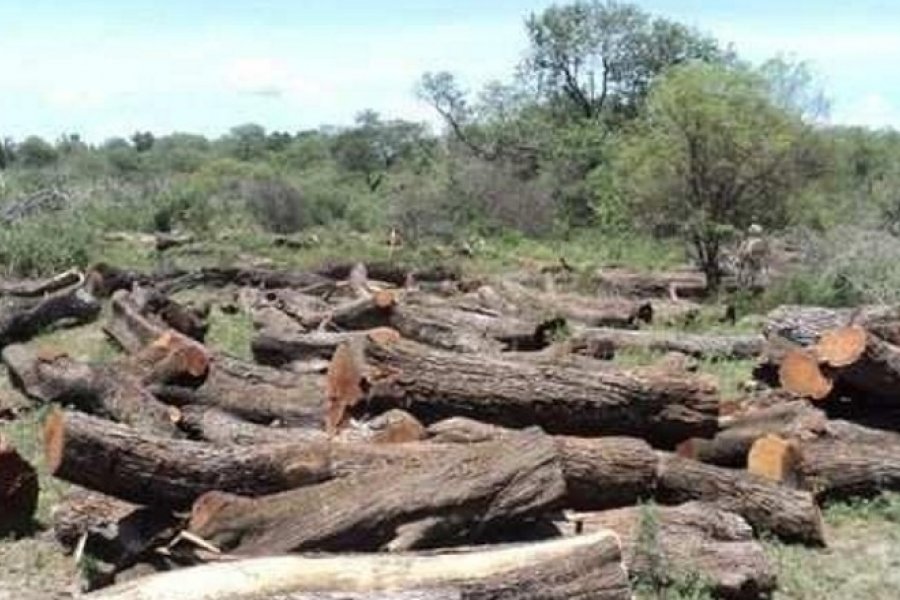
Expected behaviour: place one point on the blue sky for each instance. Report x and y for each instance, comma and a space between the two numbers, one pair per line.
103, 68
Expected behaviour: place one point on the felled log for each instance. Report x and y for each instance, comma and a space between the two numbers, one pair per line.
106, 390
440, 501
600, 473
164, 240
103, 279
184, 319
40, 287
730, 447
258, 278
277, 347
792, 515
663, 545
846, 461
686, 283
362, 313
23, 318
862, 362
432, 384
396, 274
18, 490
706, 346
115, 531
256, 393
215, 425
137, 467
804, 325
586, 567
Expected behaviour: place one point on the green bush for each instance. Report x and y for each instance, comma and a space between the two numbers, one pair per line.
46, 244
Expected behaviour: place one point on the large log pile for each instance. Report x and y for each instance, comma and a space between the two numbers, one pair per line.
434, 446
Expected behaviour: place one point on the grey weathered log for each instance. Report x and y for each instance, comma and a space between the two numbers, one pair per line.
442, 500
664, 408
107, 390
805, 324
792, 515
666, 545
32, 288
23, 318
218, 426
704, 346
579, 568
120, 461
116, 532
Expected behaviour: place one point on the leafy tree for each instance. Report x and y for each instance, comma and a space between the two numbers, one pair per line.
35, 152
143, 141
246, 142
712, 154
598, 59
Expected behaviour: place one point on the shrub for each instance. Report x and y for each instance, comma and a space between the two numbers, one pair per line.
45, 244
278, 206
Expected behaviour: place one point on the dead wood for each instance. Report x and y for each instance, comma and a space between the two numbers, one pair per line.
663, 545
116, 532
106, 390
792, 515
40, 287
584, 567
393, 273
704, 346
170, 474
437, 502
21, 318
432, 384
18, 490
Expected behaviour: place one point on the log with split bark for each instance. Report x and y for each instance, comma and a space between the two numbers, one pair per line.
18, 490
846, 461
446, 498
107, 390
667, 545
108, 529
170, 474
586, 567
704, 346
664, 408
21, 318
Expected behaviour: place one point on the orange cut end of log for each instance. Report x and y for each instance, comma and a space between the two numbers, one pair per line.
800, 374
774, 458
842, 347
384, 335
343, 386
54, 439
384, 299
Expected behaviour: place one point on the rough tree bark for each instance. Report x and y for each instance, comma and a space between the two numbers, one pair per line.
431, 384
23, 318
18, 490
705, 346
137, 467
442, 500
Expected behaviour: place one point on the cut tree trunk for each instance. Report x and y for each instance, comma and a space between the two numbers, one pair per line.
792, 515
862, 362
665, 545
41, 287
730, 447
686, 283
18, 490
23, 318
256, 393
106, 390
214, 425
847, 461
600, 473
804, 325
704, 346
278, 347
432, 384
257, 278
584, 567
443, 500
396, 274
170, 474
116, 532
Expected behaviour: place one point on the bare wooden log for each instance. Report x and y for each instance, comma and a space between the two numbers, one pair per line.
431, 384
846, 461
393, 273
40, 287
686, 283
804, 325
103, 279
256, 393
107, 390
115, 532
730, 447
862, 362
120, 461
799, 373
18, 490
224, 276
664, 545
23, 318
220, 427
280, 347
707, 346
578, 568
434, 503
792, 515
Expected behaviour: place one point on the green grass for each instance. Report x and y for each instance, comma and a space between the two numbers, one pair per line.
230, 333
730, 374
